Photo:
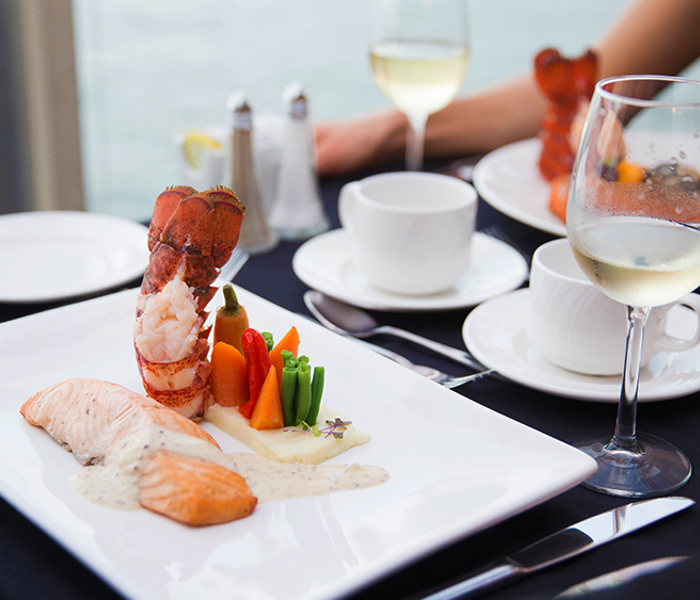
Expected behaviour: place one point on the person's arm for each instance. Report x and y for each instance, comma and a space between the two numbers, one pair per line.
469, 125
652, 36
659, 37
487, 120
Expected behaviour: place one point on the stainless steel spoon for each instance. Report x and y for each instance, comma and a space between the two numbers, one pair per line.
348, 320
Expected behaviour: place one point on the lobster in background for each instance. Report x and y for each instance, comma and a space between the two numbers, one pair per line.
567, 85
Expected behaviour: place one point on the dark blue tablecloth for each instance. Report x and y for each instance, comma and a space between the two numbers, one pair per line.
34, 566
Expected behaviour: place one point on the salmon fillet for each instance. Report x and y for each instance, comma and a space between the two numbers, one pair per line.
95, 419
194, 491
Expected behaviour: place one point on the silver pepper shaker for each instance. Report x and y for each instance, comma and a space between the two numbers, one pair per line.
256, 236
297, 210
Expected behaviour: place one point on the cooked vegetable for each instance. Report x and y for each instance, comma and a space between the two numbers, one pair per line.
288, 389
231, 320
290, 343
630, 172
229, 375
559, 194
316, 393
303, 397
298, 397
267, 413
269, 340
258, 363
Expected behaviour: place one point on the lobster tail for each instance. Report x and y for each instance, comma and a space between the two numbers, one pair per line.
228, 216
166, 203
567, 85
192, 235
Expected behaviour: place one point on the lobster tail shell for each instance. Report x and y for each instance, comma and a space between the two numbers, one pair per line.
565, 80
566, 84
196, 230
190, 227
166, 203
228, 216
192, 235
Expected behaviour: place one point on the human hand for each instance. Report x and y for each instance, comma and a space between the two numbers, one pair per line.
348, 146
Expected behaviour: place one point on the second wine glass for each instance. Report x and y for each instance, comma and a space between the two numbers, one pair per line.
633, 220
419, 54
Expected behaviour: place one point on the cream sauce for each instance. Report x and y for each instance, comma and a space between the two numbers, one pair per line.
270, 480
115, 485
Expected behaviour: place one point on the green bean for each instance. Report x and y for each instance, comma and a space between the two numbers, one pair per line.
269, 341
288, 394
316, 393
286, 355
303, 393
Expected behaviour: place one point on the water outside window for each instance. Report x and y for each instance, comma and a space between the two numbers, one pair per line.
150, 69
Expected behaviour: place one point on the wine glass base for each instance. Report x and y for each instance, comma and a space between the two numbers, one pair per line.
651, 467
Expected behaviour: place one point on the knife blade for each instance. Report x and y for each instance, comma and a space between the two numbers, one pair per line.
567, 543
619, 577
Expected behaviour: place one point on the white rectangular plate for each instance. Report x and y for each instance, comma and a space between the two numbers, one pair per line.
455, 468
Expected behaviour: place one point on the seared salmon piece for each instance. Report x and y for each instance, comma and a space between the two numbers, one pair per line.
194, 491
93, 418
96, 420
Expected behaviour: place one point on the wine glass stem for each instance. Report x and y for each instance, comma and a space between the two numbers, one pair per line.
415, 142
626, 425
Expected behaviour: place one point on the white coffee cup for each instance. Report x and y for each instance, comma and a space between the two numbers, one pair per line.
577, 327
410, 233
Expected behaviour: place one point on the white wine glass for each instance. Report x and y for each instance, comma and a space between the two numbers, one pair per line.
419, 54
633, 220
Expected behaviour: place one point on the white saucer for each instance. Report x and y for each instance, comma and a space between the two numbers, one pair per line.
495, 333
510, 181
325, 264
53, 255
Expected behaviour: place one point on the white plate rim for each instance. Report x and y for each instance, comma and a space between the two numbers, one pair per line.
528, 468
503, 190
334, 244
605, 389
94, 228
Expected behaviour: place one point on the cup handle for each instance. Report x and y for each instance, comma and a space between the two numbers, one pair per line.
345, 202
666, 342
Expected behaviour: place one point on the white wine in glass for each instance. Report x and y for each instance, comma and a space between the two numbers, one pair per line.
633, 221
419, 55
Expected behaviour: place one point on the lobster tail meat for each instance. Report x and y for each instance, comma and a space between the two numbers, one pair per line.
567, 85
191, 237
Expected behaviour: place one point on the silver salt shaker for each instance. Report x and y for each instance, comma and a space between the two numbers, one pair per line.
256, 236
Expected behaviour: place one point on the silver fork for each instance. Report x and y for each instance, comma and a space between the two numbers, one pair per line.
235, 263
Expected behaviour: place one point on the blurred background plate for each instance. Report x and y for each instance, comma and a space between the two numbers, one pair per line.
510, 181
52, 255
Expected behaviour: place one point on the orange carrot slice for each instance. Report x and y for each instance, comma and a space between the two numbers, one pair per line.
289, 342
629, 172
229, 375
267, 413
